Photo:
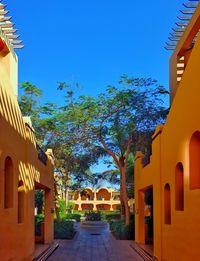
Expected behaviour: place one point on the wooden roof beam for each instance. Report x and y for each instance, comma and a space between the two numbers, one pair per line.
16, 41
5, 18
190, 5
13, 36
9, 31
188, 11
2, 6
4, 12
18, 46
6, 25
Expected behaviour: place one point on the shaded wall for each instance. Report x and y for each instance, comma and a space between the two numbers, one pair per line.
174, 172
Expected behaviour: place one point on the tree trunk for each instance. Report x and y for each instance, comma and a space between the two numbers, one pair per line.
122, 212
66, 190
124, 194
56, 202
121, 163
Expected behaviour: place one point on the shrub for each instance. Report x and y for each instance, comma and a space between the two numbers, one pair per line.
70, 206
92, 216
122, 231
39, 201
38, 220
62, 207
64, 229
77, 217
112, 216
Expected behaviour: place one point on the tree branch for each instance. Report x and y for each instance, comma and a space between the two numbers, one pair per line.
128, 150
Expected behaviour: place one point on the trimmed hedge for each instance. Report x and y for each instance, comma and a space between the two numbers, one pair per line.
122, 231
77, 217
38, 220
64, 229
92, 216
112, 216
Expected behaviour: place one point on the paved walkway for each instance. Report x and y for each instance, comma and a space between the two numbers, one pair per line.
94, 244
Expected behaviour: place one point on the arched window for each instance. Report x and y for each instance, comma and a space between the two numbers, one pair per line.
195, 161
167, 204
8, 183
21, 196
179, 187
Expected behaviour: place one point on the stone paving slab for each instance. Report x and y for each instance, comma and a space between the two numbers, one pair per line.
94, 244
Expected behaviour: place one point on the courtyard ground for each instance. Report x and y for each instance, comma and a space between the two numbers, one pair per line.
94, 244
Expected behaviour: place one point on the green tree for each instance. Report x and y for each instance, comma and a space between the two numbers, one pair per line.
122, 120
115, 123
55, 127
29, 100
39, 201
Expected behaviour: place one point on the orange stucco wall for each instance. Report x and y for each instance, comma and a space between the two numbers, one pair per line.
103, 206
87, 206
180, 239
17, 141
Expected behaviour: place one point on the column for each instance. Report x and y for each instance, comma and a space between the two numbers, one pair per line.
79, 207
94, 207
48, 217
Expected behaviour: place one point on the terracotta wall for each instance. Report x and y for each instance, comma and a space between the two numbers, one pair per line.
23, 169
176, 225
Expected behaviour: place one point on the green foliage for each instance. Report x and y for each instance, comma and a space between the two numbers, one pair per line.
39, 200
62, 207
112, 216
93, 216
133, 109
75, 131
130, 176
29, 100
75, 216
38, 220
122, 231
70, 206
62, 211
64, 229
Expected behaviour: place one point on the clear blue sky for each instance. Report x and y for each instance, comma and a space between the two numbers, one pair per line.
92, 42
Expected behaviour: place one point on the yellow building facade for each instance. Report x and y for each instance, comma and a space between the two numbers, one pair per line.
100, 199
24, 167
172, 177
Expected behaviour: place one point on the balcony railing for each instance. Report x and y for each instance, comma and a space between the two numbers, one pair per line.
97, 199
41, 155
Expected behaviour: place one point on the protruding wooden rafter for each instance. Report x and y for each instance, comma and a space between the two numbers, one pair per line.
7, 27
184, 19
